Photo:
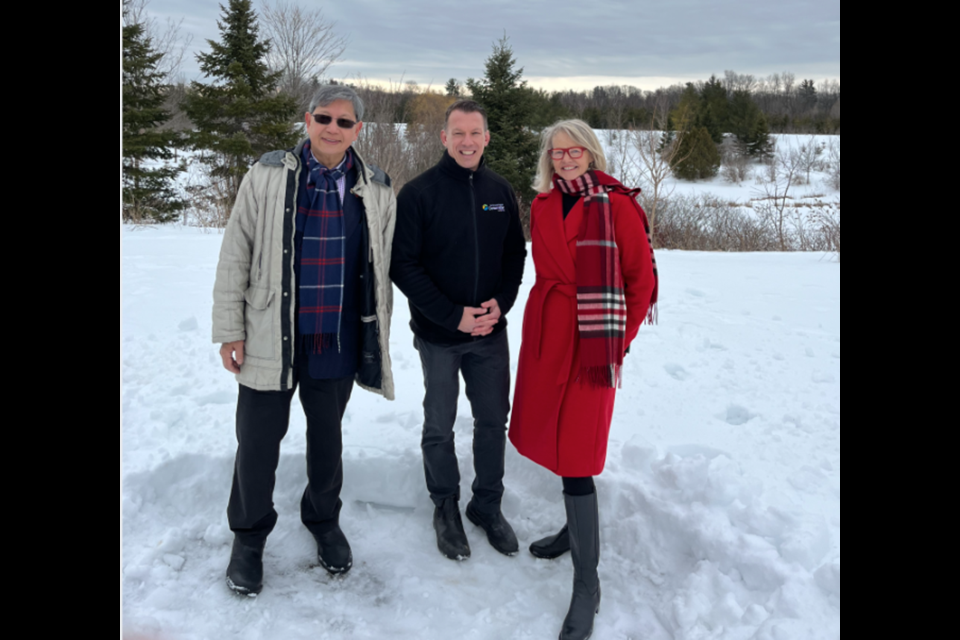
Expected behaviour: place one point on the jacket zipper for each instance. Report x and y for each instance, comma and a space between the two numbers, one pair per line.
476, 243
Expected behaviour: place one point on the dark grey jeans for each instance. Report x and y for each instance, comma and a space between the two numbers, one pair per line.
485, 365
262, 421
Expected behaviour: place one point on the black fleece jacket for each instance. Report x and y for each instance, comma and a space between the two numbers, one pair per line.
457, 243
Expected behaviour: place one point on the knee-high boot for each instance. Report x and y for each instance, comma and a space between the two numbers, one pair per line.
583, 523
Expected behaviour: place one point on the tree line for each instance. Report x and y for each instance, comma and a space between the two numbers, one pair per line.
258, 78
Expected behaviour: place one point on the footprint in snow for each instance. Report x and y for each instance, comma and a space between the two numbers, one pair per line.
676, 372
737, 415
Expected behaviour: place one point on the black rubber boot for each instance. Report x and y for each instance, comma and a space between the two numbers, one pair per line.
552, 546
245, 571
583, 522
451, 538
499, 532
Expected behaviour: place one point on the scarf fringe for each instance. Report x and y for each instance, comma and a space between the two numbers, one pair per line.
653, 315
605, 377
316, 343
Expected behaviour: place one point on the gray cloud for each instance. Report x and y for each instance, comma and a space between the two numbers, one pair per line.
429, 41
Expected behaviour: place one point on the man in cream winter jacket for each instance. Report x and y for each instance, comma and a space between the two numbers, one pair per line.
303, 300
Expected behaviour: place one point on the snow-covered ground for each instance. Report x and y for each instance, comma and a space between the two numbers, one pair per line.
720, 503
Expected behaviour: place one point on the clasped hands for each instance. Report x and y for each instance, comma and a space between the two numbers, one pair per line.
479, 321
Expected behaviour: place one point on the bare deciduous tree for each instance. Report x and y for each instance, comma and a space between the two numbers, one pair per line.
774, 202
736, 163
833, 164
166, 38
655, 162
403, 151
303, 46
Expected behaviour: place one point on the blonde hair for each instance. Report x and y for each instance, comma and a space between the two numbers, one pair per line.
582, 134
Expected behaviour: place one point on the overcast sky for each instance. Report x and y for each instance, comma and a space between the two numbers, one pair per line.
562, 44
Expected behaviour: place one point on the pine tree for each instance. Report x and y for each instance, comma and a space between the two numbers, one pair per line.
686, 116
699, 156
749, 126
453, 88
715, 109
240, 115
807, 94
148, 176
761, 144
513, 147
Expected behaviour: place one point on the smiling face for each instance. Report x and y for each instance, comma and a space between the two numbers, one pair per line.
465, 138
568, 168
328, 142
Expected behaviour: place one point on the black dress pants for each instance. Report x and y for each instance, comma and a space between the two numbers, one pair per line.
262, 421
485, 365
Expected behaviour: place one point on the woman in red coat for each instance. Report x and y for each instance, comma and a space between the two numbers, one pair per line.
596, 283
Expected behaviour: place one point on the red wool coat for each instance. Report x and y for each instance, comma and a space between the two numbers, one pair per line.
558, 421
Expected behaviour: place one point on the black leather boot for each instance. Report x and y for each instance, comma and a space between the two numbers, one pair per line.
583, 522
499, 532
333, 551
451, 538
552, 546
245, 571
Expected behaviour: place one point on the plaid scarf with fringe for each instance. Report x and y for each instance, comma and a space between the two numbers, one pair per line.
601, 304
321, 253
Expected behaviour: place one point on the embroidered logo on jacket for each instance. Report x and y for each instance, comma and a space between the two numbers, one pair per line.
494, 207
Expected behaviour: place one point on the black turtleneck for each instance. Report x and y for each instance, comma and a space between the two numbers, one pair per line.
569, 201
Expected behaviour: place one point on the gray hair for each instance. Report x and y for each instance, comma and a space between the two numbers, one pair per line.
582, 134
332, 92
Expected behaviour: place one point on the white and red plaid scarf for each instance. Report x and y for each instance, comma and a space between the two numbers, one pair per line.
601, 305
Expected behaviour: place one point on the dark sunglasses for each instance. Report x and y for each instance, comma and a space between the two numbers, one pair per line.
324, 119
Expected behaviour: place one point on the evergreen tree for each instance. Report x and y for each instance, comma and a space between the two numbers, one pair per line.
761, 144
546, 109
749, 126
699, 158
513, 147
687, 116
148, 190
807, 94
714, 109
240, 115
453, 88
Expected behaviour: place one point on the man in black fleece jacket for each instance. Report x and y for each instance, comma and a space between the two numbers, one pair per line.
458, 256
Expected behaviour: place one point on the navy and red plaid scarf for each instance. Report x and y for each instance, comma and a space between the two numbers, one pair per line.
601, 305
322, 253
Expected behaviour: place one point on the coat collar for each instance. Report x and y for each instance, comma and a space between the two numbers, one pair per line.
450, 167
365, 172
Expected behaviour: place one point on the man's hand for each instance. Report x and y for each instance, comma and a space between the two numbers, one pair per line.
484, 324
231, 362
468, 322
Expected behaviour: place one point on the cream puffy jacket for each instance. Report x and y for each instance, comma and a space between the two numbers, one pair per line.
254, 294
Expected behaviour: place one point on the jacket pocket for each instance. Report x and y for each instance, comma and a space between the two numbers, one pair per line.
260, 324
